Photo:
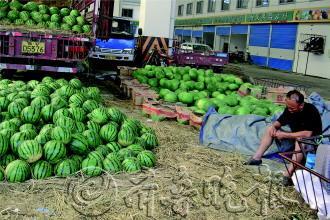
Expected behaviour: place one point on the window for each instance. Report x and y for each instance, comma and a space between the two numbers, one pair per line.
189, 8
199, 8
286, 1
262, 3
180, 10
211, 6
225, 5
127, 13
242, 3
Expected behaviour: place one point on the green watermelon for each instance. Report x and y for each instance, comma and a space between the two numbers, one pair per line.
109, 132
99, 115
91, 166
90, 105
80, 20
30, 23
31, 114
77, 159
17, 171
55, 18
30, 151
31, 6
75, 13
77, 29
79, 127
113, 146
41, 170
46, 17
54, 25
17, 139
93, 138
116, 115
78, 114
19, 22
136, 148
75, 83
61, 134
6, 159
70, 20
96, 154
65, 122
65, 12
79, 144
47, 112
147, 158
37, 17
65, 168
131, 165
150, 140
15, 5
13, 15
77, 99
126, 137
43, 9
93, 126
54, 10
54, 151
125, 153
4, 145
65, 27
42, 139
63, 112
86, 28
112, 165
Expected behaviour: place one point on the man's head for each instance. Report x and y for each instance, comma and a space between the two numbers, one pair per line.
294, 101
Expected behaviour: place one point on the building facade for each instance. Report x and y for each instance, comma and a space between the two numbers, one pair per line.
128, 9
290, 35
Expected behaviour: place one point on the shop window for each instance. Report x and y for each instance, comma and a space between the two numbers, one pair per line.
225, 5
242, 3
211, 6
199, 7
189, 8
127, 13
286, 1
262, 3
180, 10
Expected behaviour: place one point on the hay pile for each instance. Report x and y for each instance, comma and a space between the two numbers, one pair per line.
190, 182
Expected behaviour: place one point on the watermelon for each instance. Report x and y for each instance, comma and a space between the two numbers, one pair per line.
96, 154
136, 148
6, 159
131, 165
99, 115
43, 9
30, 114
126, 137
93, 126
61, 134
8, 125
54, 10
17, 139
65, 122
80, 20
54, 25
65, 12
30, 151
13, 15
112, 165
77, 160
75, 13
104, 150
79, 144
2, 174
93, 138
41, 170
36, 16
86, 28
17, 171
63, 112
55, 18
78, 114
4, 102
116, 115
76, 29
15, 5
70, 20
46, 17
65, 27
7, 132
90, 105
147, 158
91, 166
125, 153
4, 144
150, 140
54, 151
42, 138
47, 112
19, 22
113, 146
31, 6
30, 23
109, 132
27, 127
65, 168
79, 127
77, 99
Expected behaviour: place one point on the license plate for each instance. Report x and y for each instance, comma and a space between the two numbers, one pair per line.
33, 47
110, 57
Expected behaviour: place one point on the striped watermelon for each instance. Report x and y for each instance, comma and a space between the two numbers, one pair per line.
116, 115
86, 28
25, 127
16, 121
65, 168
5, 116
42, 138
31, 133
4, 144
131, 165
54, 151
99, 115
46, 18
81, 20
61, 134
62, 82
77, 160
47, 112
77, 99
65, 12
70, 20
136, 148
66, 90
147, 158
75, 83
146, 129
30, 114
63, 112
8, 125
65, 122
93, 126
55, 18
91, 166
7, 132
15, 109
125, 153
40, 90
94, 93
4, 102
22, 101
17, 171
79, 127
113, 146
104, 150
96, 154
58, 102
90, 105
17, 139
40, 101
112, 165
76, 29
19, 22
150, 140
126, 137
47, 130
79, 144
41, 170
78, 114
2, 174
93, 139
12, 96
109, 132
74, 13
6, 159
54, 10
30, 151
32, 83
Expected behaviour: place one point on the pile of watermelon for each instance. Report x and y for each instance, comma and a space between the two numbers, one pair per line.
59, 127
201, 89
34, 15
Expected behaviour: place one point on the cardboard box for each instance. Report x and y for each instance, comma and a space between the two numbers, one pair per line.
278, 95
126, 70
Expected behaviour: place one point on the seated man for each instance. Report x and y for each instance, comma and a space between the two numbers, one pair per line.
304, 121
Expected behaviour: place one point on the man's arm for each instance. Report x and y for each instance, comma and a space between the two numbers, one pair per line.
277, 125
293, 135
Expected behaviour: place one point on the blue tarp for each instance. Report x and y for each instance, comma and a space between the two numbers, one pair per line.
242, 133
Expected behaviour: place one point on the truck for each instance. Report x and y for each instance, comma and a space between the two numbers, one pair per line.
47, 50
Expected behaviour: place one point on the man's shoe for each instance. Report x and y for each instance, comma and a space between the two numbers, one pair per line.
287, 181
253, 162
